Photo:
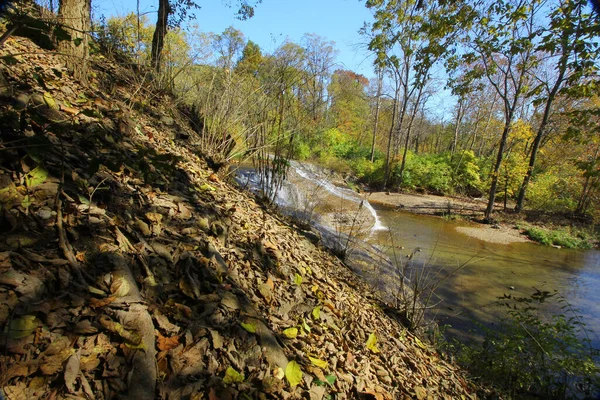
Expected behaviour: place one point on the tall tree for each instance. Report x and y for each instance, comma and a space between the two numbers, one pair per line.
75, 17
410, 37
570, 49
172, 13
503, 54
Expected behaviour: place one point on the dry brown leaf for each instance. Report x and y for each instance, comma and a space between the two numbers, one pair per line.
270, 283
72, 371
167, 343
85, 327
80, 256
213, 178
97, 303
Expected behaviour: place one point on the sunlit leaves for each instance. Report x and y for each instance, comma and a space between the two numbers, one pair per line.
372, 343
293, 373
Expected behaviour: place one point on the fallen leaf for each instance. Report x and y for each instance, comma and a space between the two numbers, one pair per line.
167, 343
120, 287
232, 376
97, 303
298, 279
419, 343
293, 373
316, 313
290, 333
23, 327
318, 363
72, 370
279, 373
248, 327
372, 343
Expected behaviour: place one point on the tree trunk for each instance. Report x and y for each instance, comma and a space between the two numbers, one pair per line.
408, 131
386, 174
492, 194
562, 67
158, 39
377, 107
75, 17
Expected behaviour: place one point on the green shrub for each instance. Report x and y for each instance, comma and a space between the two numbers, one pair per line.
554, 190
560, 237
465, 172
536, 349
430, 172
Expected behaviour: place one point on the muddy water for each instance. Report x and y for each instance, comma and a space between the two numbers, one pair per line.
472, 274
469, 274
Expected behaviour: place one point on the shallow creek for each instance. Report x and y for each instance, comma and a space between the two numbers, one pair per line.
470, 274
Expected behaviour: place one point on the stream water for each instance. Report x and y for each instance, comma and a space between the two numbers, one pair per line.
469, 274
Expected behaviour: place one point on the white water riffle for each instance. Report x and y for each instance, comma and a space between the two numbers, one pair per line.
304, 171
292, 197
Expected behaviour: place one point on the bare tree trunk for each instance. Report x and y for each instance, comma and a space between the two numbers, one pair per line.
377, 107
158, 40
492, 194
75, 16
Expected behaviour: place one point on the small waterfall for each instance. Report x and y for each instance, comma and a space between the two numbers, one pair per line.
344, 193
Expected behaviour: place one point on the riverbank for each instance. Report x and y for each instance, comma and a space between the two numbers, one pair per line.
471, 209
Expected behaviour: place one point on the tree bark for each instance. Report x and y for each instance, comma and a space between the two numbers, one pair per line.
377, 107
158, 39
75, 17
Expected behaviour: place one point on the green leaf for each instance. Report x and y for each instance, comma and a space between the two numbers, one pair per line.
77, 41
23, 327
36, 176
305, 326
248, 327
232, 376
318, 362
298, 279
206, 188
290, 333
372, 343
293, 373
330, 379
26, 202
316, 313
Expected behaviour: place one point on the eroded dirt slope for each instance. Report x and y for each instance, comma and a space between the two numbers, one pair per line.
129, 269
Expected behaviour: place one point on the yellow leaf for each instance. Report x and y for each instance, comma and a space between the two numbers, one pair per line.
293, 373
372, 343
49, 100
298, 279
316, 312
232, 376
206, 188
419, 343
248, 327
290, 333
318, 363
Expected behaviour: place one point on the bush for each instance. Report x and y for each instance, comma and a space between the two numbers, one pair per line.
535, 350
559, 237
554, 190
430, 172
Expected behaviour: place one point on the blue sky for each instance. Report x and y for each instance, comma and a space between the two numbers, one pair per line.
274, 20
